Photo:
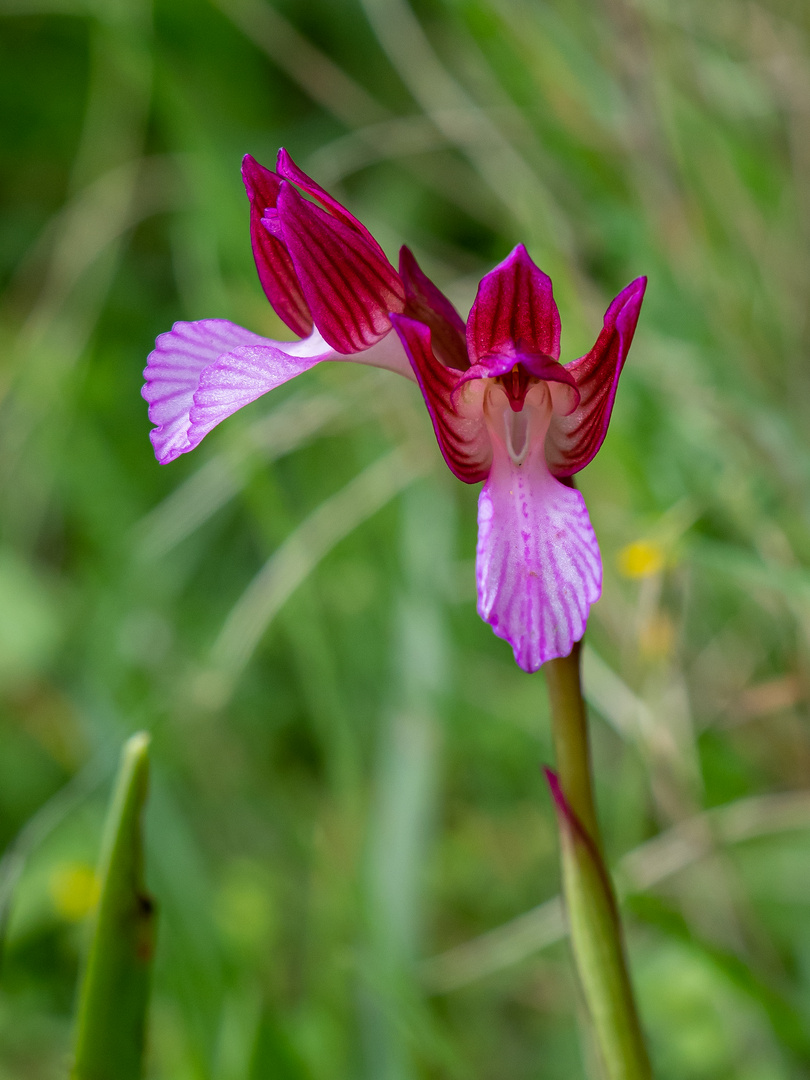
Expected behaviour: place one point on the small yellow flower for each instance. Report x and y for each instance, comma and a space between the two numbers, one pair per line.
642, 558
74, 889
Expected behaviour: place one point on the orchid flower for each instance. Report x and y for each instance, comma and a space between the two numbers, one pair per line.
326, 277
507, 412
504, 409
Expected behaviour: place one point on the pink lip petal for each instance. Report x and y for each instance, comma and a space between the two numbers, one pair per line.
460, 427
349, 285
574, 440
514, 312
273, 263
538, 566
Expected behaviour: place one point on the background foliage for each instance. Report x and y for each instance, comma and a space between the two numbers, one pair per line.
348, 832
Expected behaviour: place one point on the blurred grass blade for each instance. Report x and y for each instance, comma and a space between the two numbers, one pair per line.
115, 988
273, 1055
787, 1021
285, 429
644, 867
36, 829
313, 70
464, 123
300, 553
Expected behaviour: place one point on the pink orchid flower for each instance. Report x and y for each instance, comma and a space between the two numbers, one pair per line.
504, 409
507, 412
326, 277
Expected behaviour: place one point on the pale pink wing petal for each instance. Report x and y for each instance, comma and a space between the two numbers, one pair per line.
173, 373
574, 440
458, 419
514, 312
239, 377
538, 566
273, 262
349, 285
201, 372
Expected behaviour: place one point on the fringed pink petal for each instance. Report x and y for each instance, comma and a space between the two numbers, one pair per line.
273, 263
349, 284
538, 566
514, 312
574, 440
458, 419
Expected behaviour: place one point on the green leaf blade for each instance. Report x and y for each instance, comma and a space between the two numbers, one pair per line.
114, 993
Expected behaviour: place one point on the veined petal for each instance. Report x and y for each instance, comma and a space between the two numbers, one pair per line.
273, 263
348, 283
287, 169
201, 372
538, 566
239, 377
458, 419
173, 373
574, 440
514, 312
425, 302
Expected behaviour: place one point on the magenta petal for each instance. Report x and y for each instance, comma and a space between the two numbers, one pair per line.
574, 440
273, 263
514, 312
349, 284
458, 419
425, 302
289, 171
538, 566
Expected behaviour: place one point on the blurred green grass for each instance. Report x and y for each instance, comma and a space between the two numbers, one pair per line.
347, 793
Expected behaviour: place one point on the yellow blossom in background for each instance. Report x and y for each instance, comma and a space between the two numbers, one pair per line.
642, 558
74, 889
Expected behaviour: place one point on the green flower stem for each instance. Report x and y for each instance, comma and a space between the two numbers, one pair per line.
569, 723
596, 933
114, 993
